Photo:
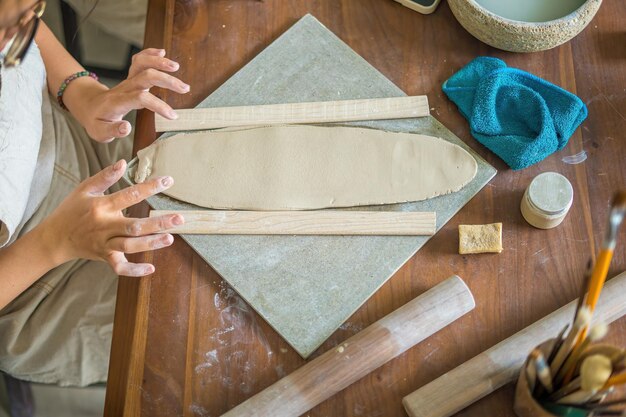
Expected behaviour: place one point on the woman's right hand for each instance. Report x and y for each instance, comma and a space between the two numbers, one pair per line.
89, 224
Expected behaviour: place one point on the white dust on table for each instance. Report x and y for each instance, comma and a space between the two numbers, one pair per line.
211, 359
280, 370
198, 410
353, 328
238, 329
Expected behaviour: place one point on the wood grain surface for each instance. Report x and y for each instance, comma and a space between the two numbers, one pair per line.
311, 222
291, 113
185, 344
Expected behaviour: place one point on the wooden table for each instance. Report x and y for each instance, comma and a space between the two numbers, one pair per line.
185, 344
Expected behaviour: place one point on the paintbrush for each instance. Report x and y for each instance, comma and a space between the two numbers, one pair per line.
543, 372
601, 395
594, 372
605, 404
583, 398
582, 320
584, 287
619, 364
577, 398
606, 413
598, 277
567, 371
531, 371
566, 389
616, 380
558, 342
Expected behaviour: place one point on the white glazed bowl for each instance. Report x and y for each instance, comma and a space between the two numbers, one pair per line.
517, 36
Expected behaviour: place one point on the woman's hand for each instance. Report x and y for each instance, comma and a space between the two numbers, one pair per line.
103, 111
89, 224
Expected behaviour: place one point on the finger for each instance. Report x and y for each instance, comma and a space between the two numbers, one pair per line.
155, 104
140, 244
104, 179
121, 266
151, 77
123, 102
151, 225
108, 131
144, 60
139, 192
152, 51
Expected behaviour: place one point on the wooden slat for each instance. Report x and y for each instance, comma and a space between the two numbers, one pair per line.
326, 222
290, 113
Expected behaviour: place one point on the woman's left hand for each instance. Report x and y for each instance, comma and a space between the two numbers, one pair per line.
103, 114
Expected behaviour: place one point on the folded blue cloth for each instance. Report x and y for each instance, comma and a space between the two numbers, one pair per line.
518, 116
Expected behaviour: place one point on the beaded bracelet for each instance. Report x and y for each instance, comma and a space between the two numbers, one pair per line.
68, 80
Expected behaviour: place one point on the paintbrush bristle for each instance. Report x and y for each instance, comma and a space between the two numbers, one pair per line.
595, 370
616, 215
540, 361
598, 331
535, 353
619, 200
543, 372
583, 318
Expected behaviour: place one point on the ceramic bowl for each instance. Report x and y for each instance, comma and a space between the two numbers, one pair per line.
519, 36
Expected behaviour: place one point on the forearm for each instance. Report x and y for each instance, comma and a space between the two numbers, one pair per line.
60, 65
24, 262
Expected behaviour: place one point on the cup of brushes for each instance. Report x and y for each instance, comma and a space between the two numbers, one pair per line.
572, 375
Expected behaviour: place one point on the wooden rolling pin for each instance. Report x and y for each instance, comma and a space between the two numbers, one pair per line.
500, 365
289, 113
314, 222
390, 336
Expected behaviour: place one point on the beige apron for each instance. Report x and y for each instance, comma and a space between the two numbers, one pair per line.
59, 330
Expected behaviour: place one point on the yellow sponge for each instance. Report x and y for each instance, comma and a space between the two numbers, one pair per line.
480, 238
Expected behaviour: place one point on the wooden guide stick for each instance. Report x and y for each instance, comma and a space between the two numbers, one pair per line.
364, 352
317, 222
500, 365
290, 113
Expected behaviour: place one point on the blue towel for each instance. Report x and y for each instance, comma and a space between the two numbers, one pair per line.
517, 115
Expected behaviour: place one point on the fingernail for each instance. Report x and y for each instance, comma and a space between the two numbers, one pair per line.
185, 87
168, 239
124, 129
167, 181
172, 114
149, 269
177, 220
118, 165
174, 65
162, 52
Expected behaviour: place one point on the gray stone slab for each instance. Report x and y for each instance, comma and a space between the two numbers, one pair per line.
305, 287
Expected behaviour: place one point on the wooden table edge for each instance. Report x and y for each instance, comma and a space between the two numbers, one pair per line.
128, 345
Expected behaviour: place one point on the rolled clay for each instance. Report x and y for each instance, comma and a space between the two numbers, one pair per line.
305, 167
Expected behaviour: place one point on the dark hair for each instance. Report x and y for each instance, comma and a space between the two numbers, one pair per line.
83, 20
